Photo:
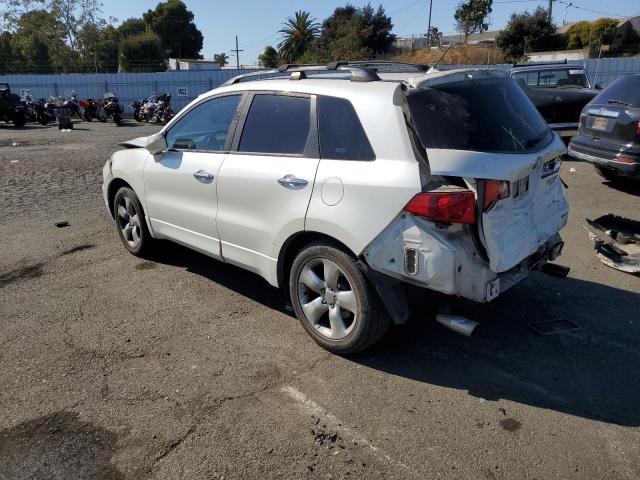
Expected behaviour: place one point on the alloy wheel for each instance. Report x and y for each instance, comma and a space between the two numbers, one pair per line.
327, 299
128, 219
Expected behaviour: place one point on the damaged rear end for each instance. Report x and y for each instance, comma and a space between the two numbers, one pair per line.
491, 204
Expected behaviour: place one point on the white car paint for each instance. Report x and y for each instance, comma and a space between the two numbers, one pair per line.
359, 203
180, 206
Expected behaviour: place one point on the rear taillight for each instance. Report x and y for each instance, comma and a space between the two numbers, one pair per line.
623, 159
444, 207
638, 130
494, 190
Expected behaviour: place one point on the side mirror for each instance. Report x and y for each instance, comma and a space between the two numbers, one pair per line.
157, 143
599, 86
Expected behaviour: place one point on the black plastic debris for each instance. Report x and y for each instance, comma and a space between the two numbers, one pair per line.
617, 242
550, 327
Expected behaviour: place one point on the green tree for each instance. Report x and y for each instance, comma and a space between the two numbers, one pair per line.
352, 33
297, 34
99, 47
526, 32
39, 42
269, 58
221, 58
578, 35
173, 23
141, 53
132, 26
471, 17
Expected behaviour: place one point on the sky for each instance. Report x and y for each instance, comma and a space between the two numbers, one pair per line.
256, 22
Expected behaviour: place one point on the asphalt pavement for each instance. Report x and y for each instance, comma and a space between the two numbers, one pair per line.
179, 366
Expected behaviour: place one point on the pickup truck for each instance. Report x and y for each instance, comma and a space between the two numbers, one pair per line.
559, 91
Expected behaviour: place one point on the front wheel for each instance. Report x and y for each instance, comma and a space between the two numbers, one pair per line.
334, 301
132, 227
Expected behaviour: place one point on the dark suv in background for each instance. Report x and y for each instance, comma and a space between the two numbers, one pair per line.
609, 132
558, 90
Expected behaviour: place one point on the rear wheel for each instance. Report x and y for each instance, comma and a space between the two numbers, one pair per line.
607, 173
334, 301
130, 221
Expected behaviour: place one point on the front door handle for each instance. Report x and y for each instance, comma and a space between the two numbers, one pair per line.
291, 181
203, 176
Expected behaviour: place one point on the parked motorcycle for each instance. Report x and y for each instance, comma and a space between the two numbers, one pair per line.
163, 112
112, 108
91, 109
73, 105
137, 108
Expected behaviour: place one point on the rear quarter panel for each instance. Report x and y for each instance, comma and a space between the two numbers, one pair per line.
353, 201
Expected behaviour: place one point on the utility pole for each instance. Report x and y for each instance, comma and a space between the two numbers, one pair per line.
429, 27
551, 10
237, 52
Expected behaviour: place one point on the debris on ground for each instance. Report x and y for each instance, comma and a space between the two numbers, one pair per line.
617, 242
62, 224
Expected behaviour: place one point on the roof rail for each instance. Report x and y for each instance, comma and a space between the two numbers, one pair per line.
390, 66
541, 64
298, 72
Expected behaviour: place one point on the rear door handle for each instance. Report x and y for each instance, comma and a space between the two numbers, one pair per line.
203, 176
291, 181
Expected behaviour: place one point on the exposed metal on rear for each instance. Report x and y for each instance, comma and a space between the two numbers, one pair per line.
411, 261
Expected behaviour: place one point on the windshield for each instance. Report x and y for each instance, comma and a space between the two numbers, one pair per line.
556, 77
486, 115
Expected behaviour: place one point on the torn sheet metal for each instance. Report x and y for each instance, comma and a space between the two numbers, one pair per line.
617, 242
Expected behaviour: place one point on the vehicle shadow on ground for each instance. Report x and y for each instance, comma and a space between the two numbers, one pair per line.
591, 372
234, 278
631, 187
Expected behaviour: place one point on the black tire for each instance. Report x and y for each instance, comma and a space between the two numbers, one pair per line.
136, 116
87, 116
117, 119
141, 248
607, 173
43, 120
366, 327
19, 119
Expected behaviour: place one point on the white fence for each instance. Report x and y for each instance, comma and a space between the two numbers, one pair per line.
186, 85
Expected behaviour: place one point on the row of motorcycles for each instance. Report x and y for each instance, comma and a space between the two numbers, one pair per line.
153, 109
61, 110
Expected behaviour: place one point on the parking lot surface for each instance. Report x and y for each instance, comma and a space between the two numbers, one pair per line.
114, 367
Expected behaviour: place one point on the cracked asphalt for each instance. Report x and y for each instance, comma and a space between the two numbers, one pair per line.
178, 366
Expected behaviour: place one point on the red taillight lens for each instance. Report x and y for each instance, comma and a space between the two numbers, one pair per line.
445, 207
624, 159
494, 190
638, 129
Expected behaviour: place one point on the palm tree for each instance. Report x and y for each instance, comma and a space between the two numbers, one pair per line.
298, 33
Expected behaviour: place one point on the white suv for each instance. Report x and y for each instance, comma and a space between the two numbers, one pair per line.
344, 185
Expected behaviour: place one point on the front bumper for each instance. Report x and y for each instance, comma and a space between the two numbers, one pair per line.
565, 130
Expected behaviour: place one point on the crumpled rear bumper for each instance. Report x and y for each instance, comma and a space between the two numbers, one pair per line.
446, 259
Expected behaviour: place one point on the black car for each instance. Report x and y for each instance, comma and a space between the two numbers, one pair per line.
609, 134
12, 110
558, 90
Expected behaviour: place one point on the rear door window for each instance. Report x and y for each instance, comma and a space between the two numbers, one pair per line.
341, 134
277, 124
484, 115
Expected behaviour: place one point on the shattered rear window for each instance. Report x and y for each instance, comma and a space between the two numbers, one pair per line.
484, 115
